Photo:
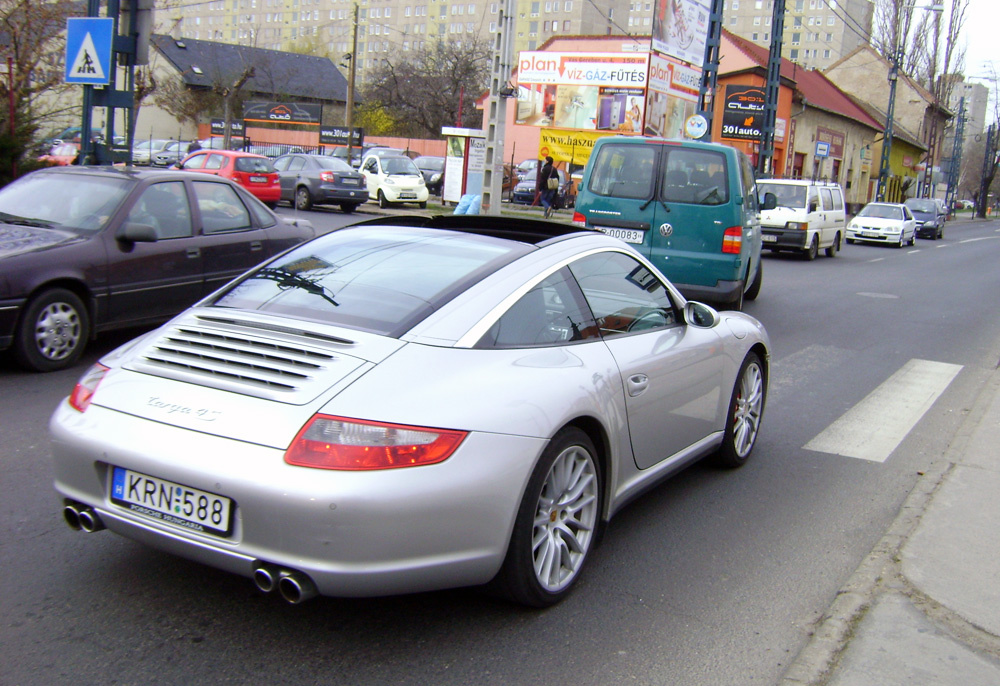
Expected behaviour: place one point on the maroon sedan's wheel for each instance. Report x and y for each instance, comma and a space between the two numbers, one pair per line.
52, 332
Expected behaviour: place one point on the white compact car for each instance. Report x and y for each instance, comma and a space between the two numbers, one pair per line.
883, 222
394, 179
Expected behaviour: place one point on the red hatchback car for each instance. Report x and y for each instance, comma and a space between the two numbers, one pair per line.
253, 172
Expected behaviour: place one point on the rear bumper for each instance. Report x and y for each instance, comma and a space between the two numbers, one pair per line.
723, 292
329, 194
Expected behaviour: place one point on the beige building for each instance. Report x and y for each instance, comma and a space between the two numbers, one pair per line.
817, 32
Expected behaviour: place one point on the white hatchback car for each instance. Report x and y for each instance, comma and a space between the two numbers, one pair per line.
883, 222
394, 179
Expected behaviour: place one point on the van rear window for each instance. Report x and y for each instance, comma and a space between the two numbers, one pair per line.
697, 177
624, 171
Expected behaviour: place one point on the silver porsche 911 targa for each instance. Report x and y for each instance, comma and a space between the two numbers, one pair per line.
410, 404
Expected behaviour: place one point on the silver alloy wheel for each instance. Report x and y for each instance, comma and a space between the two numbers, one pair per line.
565, 518
747, 409
57, 331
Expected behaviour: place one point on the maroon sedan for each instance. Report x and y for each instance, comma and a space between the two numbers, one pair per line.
89, 249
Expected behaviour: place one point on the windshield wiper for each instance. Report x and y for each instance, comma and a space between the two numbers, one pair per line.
26, 221
287, 279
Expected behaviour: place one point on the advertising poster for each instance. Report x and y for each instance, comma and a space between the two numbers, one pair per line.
586, 91
572, 147
743, 116
680, 28
672, 97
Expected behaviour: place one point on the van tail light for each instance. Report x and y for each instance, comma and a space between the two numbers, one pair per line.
328, 442
732, 240
85, 388
579, 219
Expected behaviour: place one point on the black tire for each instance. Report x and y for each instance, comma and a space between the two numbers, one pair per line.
382, 201
813, 251
758, 279
423, 205
556, 517
850, 241
272, 205
52, 332
835, 248
348, 207
303, 198
746, 408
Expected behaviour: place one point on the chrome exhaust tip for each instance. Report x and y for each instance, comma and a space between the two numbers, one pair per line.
296, 587
89, 521
266, 578
71, 515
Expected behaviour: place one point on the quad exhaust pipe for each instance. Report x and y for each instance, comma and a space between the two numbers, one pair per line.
82, 518
294, 586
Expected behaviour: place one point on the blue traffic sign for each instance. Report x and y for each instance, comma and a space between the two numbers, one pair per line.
88, 50
822, 149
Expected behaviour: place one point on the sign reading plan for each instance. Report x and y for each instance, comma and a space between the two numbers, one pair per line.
88, 50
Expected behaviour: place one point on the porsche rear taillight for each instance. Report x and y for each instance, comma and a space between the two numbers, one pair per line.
85, 388
732, 240
328, 442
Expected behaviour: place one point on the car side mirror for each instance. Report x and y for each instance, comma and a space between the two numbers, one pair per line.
770, 201
813, 205
138, 233
700, 315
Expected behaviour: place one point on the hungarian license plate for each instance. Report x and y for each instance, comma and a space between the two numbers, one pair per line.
627, 235
768, 238
258, 179
170, 502
870, 234
350, 182
407, 196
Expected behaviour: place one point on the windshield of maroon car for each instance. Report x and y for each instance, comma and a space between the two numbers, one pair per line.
71, 201
379, 279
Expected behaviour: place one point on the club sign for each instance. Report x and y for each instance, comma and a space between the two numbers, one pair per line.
743, 117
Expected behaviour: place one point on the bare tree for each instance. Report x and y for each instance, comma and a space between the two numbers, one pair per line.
432, 87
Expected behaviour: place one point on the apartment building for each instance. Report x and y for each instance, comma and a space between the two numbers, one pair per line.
817, 32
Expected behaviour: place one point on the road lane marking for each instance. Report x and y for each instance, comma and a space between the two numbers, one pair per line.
873, 428
981, 238
877, 259
878, 295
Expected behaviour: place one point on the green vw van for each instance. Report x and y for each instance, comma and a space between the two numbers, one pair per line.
691, 207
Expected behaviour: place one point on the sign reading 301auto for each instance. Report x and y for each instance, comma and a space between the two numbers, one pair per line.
743, 117
88, 50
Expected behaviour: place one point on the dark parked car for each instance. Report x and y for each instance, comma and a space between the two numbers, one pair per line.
930, 221
84, 250
308, 180
433, 170
524, 191
171, 153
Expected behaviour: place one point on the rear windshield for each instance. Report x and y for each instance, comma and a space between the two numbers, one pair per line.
922, 205
333, 163
378, 279
259, 165
686, 175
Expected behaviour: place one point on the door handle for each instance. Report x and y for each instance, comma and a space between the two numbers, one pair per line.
193, 253
637, 384
255, 246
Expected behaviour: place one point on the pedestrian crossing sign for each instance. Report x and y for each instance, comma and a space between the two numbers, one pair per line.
88, 50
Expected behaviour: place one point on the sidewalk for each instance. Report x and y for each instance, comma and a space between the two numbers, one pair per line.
923, 609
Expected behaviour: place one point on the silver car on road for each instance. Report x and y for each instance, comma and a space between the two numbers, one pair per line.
411, 404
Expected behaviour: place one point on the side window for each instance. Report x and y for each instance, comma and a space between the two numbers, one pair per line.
812, 203
196, 162
551, 313
827, 198
215, 162
263, 215
296, 164
624, 171
371, 166
624, 295
221, 208
281, 164
164, 206
697, 177
838, 200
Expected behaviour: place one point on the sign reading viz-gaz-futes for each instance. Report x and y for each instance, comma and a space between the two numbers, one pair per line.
743, 116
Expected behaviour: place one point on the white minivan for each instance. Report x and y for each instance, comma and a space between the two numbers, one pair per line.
809, 215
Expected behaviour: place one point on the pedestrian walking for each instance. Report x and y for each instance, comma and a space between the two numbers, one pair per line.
548, 184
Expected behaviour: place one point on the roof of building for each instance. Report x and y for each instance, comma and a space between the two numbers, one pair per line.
276, 74
815, 89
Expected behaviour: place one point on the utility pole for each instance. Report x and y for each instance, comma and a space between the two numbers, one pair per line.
989, 161
883, 167
496, 108
765, 157
352, 72
956, 158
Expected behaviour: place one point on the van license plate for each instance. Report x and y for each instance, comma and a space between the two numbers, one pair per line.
768, 238
627, 235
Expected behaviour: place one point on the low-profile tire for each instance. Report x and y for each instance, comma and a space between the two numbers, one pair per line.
746, 407
557, 523
813, 250
53, 331
383, 202
303, 198
835, 247
754, 289
348, 207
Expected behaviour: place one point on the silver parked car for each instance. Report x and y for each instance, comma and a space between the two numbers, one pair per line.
324, 425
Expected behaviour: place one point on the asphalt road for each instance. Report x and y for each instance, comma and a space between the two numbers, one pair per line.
712, 578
